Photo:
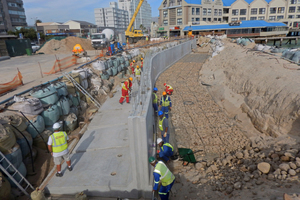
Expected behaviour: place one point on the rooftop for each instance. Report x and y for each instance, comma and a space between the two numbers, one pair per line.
244, 24
225, 2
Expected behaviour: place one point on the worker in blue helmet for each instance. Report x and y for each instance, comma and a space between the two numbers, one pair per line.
164, 127
154, 100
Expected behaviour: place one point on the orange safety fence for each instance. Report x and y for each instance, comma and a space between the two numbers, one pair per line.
17, 81
62, 64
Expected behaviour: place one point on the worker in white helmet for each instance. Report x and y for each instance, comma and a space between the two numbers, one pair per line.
58, 147
165, 150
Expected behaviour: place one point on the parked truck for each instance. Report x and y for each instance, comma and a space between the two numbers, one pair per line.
102, 39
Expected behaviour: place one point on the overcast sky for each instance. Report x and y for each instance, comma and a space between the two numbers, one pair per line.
64, 10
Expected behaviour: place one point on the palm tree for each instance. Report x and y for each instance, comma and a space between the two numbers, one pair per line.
142, 27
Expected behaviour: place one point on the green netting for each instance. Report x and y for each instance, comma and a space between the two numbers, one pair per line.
53, 38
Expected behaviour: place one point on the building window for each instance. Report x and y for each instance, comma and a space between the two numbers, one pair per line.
197, 19
261, 18
165, 22
272, 18
220, 12
197, 11
243, 11
179, 2
204, 19
295, 24
193, 19
193, 11
14, 12
262, 11
209, 19
219, 19
204, 11
12, 4
179, 11
179, 21
292, 9
235, 12
172, 3
293, 1
280, 10
273, 10
281, 17
253, 18
291, 16
253, 11
297, 16
298, 9
165, 4
215, 19
234, 19
242, 18
165, 13
215, 12
209, 11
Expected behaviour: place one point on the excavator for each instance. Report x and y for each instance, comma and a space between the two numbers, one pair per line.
133, 35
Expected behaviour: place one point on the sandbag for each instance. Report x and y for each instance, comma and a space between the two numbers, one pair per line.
39, 123
97, 82
51, 115
47, 95
109, 72
109, 63
15, 120
81, 196
38, 195
99, 65
70, 122
23, 143
41, 141
63, 106
127, 63
288, 54
75, 99
5, 188
61, 88
74, 110
31, 106
22, 169
119, 68
114, 71
296, 57
14, 156
7, 139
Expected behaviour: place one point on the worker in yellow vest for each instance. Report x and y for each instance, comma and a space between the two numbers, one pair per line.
154, 100
162, 174
163, 125
166, 150
138, 74
165, 104
58, 147
125, 87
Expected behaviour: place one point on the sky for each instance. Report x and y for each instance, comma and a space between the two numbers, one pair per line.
64, 10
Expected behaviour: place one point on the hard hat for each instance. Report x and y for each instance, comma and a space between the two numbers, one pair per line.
142, 58
151, 159
160, 113
56, 126
164, 93
130, 78
137, 67
165, 84
133, 60
159, 140
155, 89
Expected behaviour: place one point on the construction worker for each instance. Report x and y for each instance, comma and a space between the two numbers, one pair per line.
165, 104
142, 63
162, 174
132, 66
169, 89
138, 74
154, 100
58, 147
163, 124
125, 87
166, 150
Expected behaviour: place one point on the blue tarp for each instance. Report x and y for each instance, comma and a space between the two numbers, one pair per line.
244, 24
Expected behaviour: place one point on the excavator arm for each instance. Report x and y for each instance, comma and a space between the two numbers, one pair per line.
130, 26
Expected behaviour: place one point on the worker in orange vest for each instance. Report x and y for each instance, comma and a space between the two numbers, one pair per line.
132, 66
142, 63
169, 89
125, 87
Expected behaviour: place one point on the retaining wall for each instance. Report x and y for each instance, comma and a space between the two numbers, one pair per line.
142, 122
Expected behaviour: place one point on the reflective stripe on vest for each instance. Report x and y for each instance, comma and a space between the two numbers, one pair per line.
137, 72
59, 142
124, 85
166, 176
160, 124
169, 87
165, 102
168, 145
155, 99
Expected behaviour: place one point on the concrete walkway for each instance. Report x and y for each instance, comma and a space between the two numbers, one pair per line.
101, 160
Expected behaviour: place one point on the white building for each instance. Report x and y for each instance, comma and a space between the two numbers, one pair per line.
112, 17
143, 17
81, 28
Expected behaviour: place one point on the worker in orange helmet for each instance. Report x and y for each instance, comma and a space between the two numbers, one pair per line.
165, 104
169, 89
142, 63
125, 87
138, 74
132, 66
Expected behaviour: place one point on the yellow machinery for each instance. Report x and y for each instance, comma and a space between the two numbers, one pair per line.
134, 35
77, 49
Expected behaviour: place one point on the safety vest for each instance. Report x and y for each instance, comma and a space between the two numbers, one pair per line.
165, 102
160, 124
166, 176
168, 145
59, 142
155, 99
124, 85
137, 72
169, 87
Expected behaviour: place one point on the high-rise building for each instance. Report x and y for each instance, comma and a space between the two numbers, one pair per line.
112, 17
12, 14
144, 15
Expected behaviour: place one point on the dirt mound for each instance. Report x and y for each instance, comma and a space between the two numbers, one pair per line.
65, 45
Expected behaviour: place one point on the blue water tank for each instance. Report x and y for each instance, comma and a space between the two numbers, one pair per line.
51, 115
46, 95
15, 157
61, 88
23, 143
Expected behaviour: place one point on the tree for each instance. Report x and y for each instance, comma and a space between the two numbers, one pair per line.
142, 27
37, 21
27, 33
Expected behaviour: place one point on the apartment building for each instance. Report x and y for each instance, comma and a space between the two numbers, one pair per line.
112, 17
174, 15
144, 15
12, 14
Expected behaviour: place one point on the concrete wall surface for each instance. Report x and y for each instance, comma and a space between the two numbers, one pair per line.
142, 122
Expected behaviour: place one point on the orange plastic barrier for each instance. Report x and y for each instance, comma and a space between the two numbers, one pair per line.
62, 64
4, 87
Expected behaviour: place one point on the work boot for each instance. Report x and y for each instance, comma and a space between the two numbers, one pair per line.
59, 174
70, 168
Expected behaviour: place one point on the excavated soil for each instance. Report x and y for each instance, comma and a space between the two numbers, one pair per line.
65, 45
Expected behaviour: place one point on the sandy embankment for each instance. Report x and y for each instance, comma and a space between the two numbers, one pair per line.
249, 84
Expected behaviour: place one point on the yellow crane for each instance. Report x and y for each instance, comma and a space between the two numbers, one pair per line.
131, 34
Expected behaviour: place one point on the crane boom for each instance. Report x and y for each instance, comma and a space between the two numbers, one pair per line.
127, 32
